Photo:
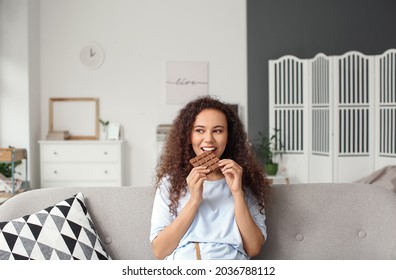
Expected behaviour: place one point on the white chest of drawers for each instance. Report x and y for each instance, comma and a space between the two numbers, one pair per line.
81, 163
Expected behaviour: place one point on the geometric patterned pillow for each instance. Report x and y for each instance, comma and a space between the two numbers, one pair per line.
64, 231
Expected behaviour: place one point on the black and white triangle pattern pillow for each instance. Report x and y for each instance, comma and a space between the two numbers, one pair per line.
64, 231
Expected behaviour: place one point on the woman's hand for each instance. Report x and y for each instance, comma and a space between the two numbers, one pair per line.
232, 173
195, 182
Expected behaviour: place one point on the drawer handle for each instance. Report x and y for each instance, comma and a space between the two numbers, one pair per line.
55, 153
55, 172
105, 153
106, 172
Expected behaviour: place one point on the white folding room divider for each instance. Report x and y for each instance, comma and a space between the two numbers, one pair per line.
385, 109
288, 110
354, 97
337, 114
320, 122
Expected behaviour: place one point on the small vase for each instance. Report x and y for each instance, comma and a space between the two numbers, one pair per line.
103, 133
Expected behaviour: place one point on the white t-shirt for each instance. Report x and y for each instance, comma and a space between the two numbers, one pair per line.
214, 225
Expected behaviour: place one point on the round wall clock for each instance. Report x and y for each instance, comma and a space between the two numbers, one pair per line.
92, 55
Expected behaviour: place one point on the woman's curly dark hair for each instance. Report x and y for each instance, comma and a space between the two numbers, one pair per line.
177, 151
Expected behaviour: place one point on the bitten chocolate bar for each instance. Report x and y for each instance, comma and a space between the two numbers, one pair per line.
207, 159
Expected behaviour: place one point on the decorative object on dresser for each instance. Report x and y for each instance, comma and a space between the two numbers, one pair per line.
114, 131
104, 129
78, 116
81, 163
58, 135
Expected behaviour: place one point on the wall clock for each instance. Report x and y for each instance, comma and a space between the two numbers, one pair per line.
92, 56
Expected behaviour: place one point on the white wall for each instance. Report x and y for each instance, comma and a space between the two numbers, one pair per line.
19, 88
139, 37
14, 73
34, 116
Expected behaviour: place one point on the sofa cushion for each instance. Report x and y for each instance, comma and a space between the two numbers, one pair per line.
63, 231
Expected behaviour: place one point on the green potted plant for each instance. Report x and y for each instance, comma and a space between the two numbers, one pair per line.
6, 168
267, 148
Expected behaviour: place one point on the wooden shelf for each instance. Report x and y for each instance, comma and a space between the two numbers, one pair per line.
9, 154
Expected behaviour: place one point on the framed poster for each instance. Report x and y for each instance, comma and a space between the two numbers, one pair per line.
79, 116
186, 81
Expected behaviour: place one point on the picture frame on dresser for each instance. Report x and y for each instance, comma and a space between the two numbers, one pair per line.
113, 132
79, 116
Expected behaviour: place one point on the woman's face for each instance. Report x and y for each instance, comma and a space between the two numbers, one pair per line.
209, 132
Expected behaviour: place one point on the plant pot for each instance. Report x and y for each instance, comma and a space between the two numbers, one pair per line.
271, 168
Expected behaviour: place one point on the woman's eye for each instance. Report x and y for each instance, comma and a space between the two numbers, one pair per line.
199, 130
218, 131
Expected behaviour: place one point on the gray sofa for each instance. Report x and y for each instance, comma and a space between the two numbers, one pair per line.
304, 221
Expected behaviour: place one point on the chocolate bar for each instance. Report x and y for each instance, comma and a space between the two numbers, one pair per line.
207, 159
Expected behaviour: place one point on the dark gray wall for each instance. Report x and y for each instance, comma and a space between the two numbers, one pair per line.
304, 28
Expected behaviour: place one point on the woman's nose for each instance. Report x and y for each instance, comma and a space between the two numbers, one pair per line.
208, 137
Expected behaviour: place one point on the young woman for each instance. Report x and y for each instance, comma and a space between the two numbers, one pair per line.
202, 214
